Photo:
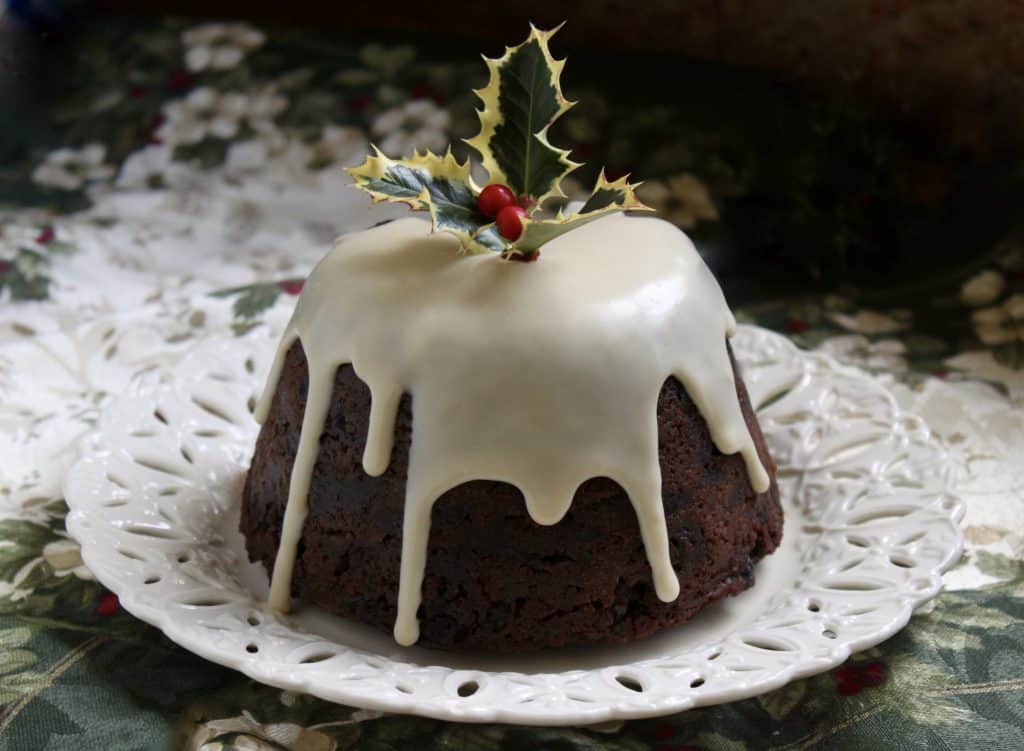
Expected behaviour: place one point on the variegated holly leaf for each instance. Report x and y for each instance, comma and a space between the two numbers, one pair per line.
607, 197
437, 184
418, 181
520, 102
488, 238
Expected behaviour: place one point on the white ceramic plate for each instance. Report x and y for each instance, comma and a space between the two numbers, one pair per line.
871, 524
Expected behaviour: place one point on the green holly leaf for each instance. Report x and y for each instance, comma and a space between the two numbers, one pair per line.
26, 275
489, 238
295, 80
209, 153
1010, 355
437, 184
13, 638
419, 182
22, 288
25, 543
31, 263
719, 742
60, 247
241, 328
253, 299
997, 565
962, 621
18, 681
520, 102
607, 198
357, 77
779, 703
16, 660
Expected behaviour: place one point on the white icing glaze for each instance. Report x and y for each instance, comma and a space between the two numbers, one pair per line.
542, 375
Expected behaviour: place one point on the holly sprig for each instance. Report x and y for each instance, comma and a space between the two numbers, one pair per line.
520, 102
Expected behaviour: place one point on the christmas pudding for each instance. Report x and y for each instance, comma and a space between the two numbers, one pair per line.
481, 452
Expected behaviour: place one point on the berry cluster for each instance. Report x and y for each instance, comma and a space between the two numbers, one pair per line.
498, 202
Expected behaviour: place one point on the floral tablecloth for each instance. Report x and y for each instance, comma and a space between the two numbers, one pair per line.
183, 179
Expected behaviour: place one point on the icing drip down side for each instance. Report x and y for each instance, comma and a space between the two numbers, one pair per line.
542, 375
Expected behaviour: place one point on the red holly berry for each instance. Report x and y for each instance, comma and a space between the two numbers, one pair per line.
359, 103
510, 222
424, 90
46, 236
795, 326
291, 286
108, 605
664, 732
493, 199
850, 687
873, 674
851, 679
179, 80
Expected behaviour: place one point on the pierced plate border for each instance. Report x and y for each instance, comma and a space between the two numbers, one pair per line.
879, 527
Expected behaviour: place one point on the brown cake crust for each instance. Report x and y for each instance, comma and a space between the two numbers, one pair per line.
495, 579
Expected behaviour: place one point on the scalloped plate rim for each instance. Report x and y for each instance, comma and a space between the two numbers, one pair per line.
94, 454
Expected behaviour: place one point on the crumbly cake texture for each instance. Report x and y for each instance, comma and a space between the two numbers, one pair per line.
496, 580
